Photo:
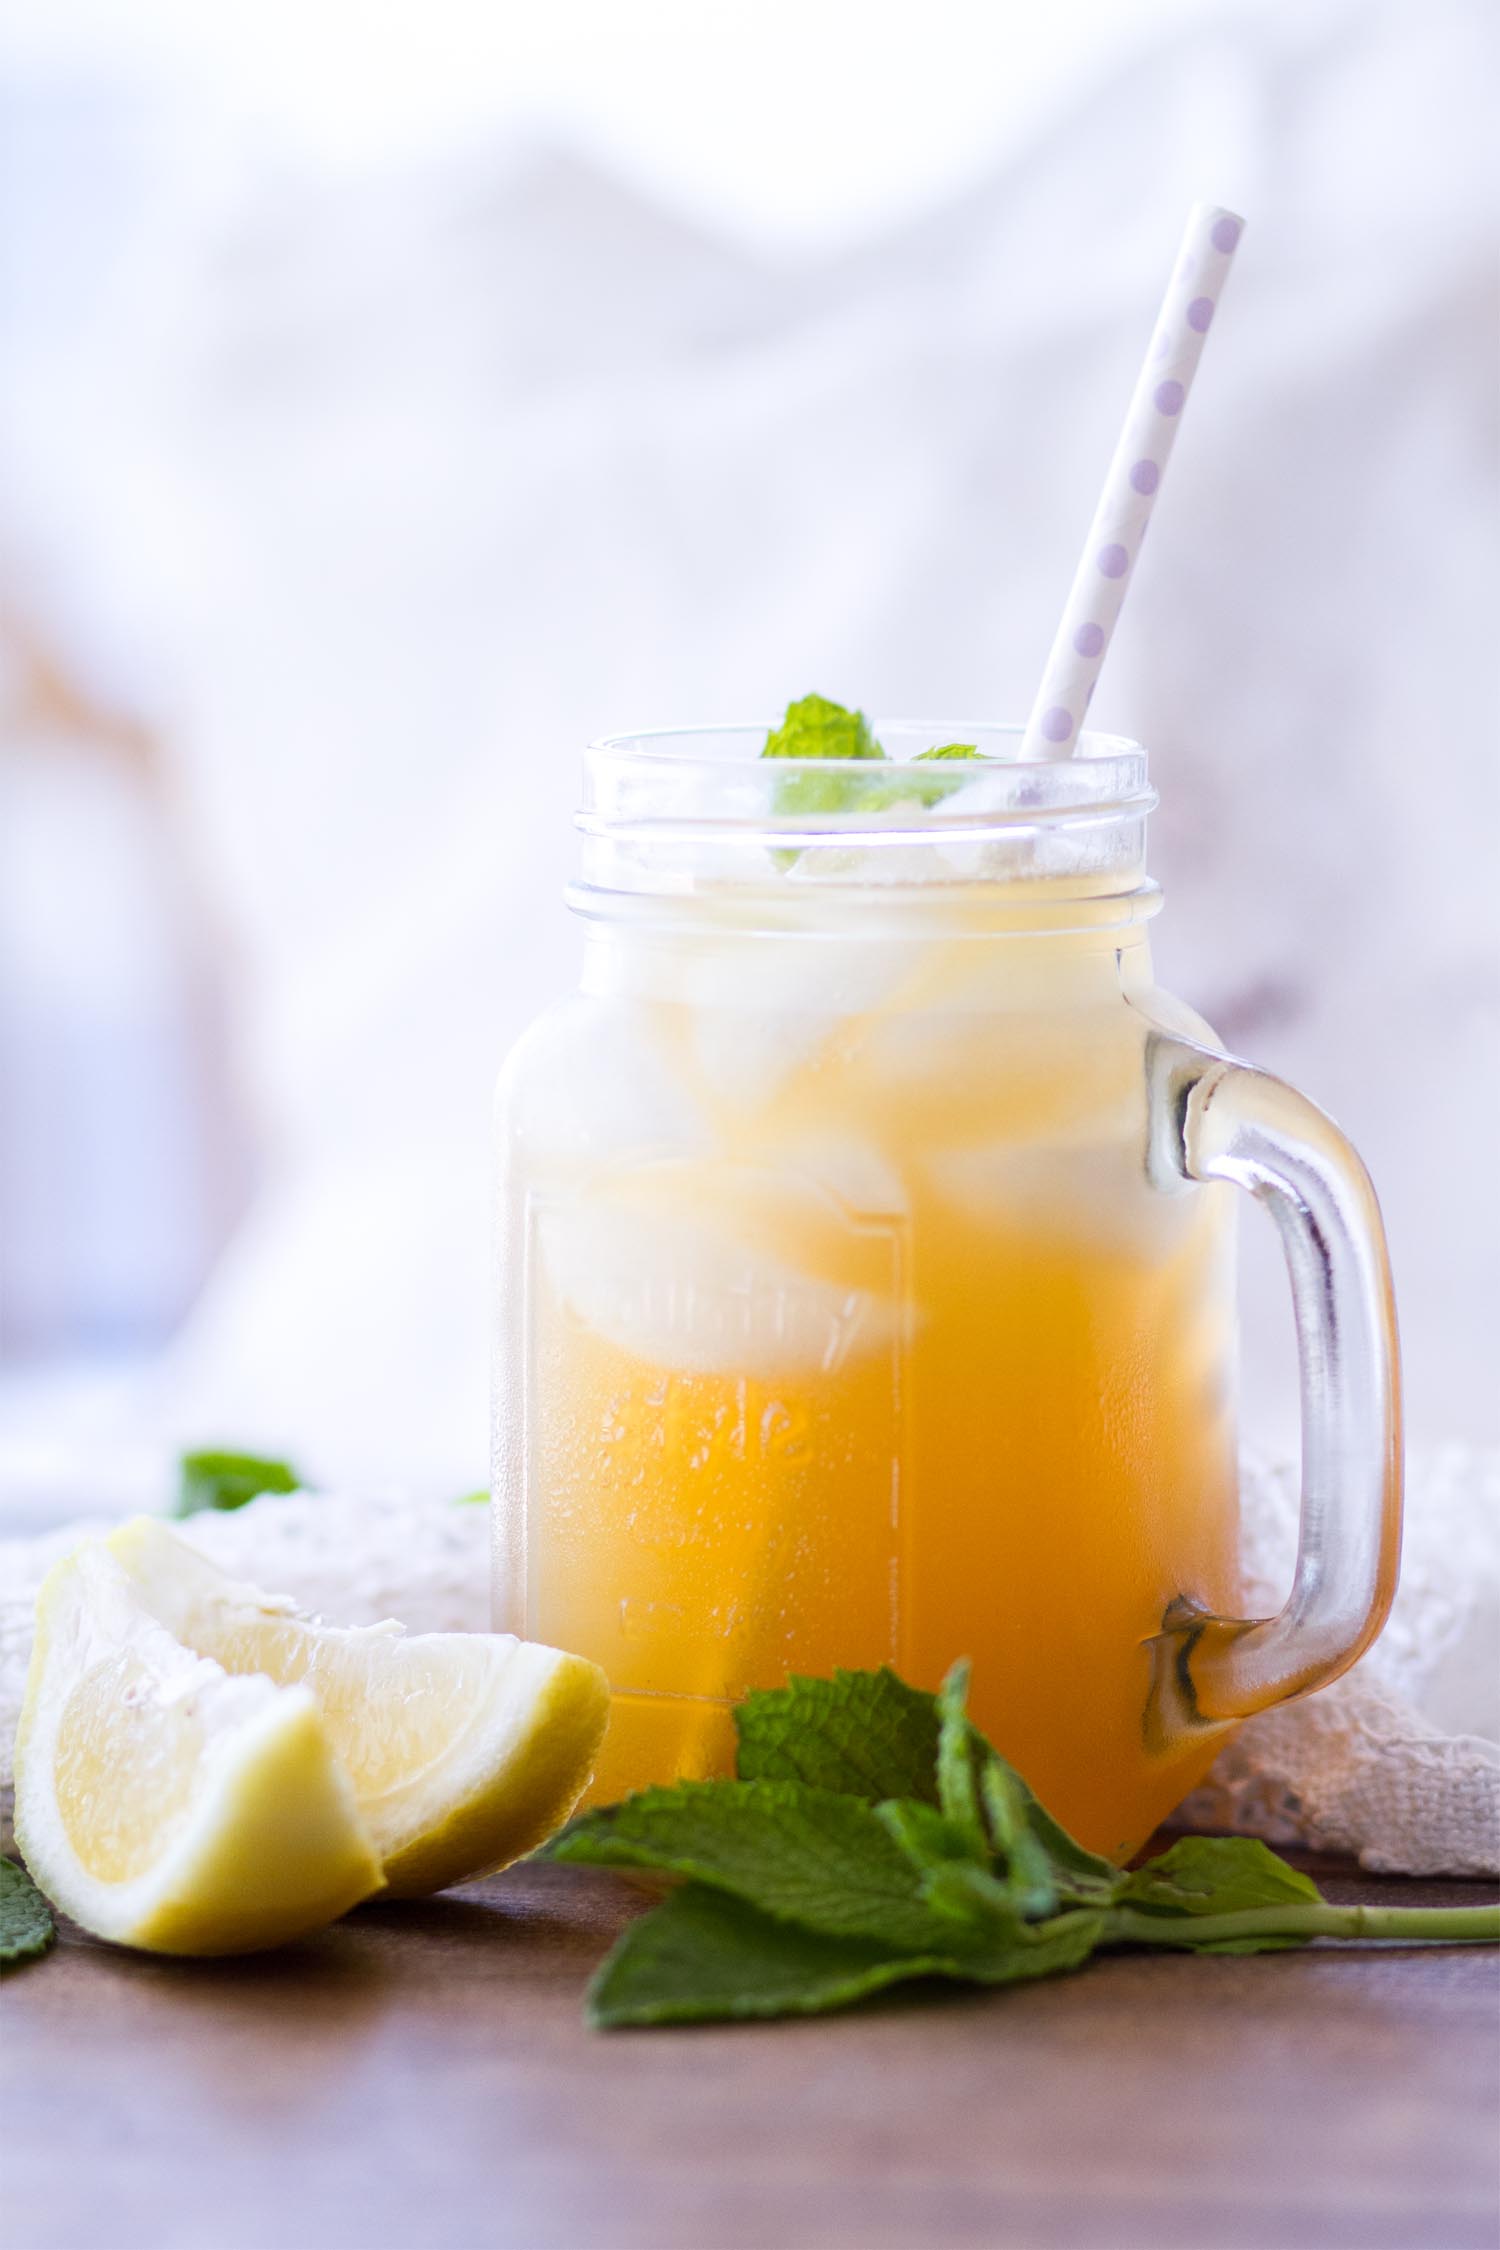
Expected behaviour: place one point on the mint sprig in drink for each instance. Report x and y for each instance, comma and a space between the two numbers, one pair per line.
867, 1268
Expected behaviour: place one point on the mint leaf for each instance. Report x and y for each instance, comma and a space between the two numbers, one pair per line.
876, 1836
988, 1803
825, 1861
229, 1480
871, 1735
1044, 1949
27, 1929
964, 1892
1035, 1882
1081, 1876
702, 1956
1217, 1875
907, 788
833, 792
865, 1733
959, 1880
1017, 1874
869, 792
1214, 1875
928, 1837
817, 728
959, 1748
479, 1499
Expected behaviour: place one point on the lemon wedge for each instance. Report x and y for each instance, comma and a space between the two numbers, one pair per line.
202, 1768
465, 1749
164, 1804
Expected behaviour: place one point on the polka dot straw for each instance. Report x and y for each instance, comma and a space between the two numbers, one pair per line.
1130, 489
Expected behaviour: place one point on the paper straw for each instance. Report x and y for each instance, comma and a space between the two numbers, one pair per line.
1130, 489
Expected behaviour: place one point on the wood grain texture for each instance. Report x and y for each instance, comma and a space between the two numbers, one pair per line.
421, 2075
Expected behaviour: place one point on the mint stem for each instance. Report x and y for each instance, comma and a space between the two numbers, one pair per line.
1455, 1925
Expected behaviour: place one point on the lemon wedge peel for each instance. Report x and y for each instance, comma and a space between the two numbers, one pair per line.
321, 1763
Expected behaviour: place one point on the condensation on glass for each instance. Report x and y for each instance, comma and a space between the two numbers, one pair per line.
865, 1275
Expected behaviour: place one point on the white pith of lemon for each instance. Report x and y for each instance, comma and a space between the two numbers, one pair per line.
202, 1769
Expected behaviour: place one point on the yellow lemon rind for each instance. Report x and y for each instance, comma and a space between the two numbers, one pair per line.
525, 1788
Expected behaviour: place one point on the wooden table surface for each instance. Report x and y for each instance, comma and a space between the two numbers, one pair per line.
421, 2076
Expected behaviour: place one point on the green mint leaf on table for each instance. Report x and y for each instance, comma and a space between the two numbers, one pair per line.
26, 1925
1036, 1883
959, 1887
865, 1733
1082, 1877
229, 1480
874, 1836
704, 1956
1216, 1875
930, 1840
1219, 1875
810, 1856
960, 1749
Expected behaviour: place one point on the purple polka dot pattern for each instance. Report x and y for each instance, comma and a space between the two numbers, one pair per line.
1136, 472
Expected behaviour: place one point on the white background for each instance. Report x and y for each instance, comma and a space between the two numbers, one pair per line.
394, 398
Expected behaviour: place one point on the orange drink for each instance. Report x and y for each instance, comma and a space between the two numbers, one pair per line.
850, 1312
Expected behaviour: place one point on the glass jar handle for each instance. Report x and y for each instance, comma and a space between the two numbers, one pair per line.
1213, 1118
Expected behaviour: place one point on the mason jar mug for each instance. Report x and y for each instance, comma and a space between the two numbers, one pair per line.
866, 1277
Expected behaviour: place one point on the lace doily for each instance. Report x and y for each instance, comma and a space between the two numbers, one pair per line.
1399, 1761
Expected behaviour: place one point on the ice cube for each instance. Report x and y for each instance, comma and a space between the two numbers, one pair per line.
767, 1008
1094, 1196
721, 1269
592, 1083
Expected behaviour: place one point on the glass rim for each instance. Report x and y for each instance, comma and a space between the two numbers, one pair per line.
668, 746
691, 808
705, 777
